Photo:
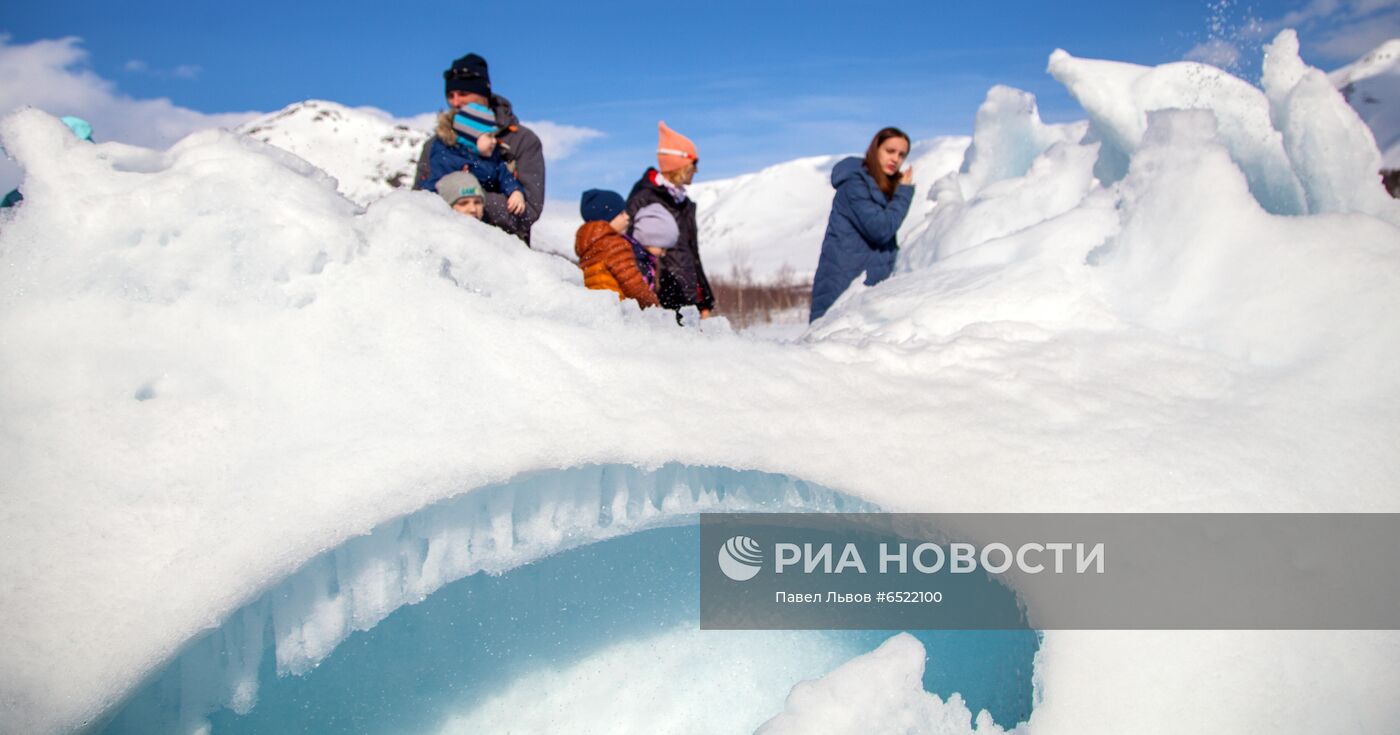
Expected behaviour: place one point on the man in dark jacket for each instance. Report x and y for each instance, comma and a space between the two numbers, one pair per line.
468, 81
682, 279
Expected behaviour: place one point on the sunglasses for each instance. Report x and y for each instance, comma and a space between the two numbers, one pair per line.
452, 74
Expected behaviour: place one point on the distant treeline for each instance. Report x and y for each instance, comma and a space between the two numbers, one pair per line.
746, 301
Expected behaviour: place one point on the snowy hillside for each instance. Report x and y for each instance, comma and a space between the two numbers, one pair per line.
1372, 85
245, 420
368, 153
1383, 59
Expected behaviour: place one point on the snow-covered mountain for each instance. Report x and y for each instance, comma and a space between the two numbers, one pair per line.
1383, 59
367, 152
1372, 85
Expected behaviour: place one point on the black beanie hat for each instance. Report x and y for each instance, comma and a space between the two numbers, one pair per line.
468, 74
600, 205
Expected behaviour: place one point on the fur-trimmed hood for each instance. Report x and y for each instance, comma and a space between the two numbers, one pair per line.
445, 133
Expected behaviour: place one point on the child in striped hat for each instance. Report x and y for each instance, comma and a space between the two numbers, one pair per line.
470, 138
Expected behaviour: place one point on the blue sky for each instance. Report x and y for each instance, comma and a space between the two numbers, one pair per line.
754, 83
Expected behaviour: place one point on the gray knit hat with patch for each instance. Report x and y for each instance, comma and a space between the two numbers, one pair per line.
654, 227
458, 185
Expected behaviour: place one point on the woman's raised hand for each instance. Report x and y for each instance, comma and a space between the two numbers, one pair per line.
908, 176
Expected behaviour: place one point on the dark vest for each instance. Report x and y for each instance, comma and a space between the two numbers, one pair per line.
682, 280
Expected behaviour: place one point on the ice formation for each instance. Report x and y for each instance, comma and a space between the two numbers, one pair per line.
216, 370
1330, 147
492, 529
1118, 97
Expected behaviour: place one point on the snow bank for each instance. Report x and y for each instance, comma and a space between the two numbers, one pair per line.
881, 691
216, 369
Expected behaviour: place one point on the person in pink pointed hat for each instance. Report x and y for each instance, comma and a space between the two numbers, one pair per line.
681, 281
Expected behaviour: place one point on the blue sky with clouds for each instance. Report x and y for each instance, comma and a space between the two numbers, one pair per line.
754, 83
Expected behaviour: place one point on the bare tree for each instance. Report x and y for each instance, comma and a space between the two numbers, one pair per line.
746, 300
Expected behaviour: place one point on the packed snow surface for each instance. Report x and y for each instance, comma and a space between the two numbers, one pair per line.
215, 368
881, 691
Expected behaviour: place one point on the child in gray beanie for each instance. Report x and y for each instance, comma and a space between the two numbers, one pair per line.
463, 193
654, 231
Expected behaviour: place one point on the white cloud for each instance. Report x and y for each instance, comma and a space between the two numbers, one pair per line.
1216, 52
52, 76
1352, 40
424, 121
421, 121
182, 71
560, 140
1340, 29
1327, 12
1308, 13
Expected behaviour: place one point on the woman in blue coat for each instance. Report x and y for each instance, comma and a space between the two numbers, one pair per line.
872, 197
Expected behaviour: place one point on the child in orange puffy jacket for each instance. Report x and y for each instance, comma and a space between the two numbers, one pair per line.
605, 256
